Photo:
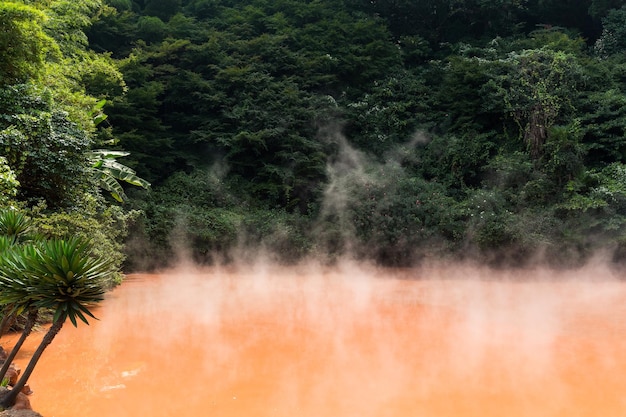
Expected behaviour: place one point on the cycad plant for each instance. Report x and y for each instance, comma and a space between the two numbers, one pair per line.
60, 275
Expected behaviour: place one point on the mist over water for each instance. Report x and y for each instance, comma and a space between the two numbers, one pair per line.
351, 340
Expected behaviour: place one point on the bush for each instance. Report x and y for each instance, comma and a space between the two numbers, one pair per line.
104, 228
8, 183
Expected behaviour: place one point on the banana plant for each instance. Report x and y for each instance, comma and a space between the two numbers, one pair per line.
105, 169
108, 173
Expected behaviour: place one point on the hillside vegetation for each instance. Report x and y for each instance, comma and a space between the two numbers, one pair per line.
384, 130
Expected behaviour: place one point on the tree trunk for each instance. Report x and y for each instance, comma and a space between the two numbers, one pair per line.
7, 321
8, 400
536, 132
30, 322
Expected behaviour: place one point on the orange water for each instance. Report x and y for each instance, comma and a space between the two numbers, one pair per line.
351, 341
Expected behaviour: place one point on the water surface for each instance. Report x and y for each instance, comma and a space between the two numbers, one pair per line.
351, 341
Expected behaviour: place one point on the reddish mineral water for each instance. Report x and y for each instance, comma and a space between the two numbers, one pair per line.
347, 341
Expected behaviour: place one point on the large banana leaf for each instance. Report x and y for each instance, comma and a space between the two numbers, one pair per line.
108, 172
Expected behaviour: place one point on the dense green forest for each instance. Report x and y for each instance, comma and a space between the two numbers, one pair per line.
384, 130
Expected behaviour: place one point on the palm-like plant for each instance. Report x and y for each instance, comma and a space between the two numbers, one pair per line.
61, 275
15, 228
15, 225
15, 292
5, 242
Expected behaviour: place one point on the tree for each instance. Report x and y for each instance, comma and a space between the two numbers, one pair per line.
599, 8
441, 21
15, 228
537, 86
23, 42
43, 147
61, 275
14, 266
613, 32
163, 9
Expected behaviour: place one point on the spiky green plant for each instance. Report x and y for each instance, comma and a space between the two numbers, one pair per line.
15, 228
15, 225
61, 275
15, 292
69, 278
5, 243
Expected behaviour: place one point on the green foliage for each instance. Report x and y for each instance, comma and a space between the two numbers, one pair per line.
536, 88
563, 154
394, 217
388, 113
446, 21
599, 8
8, 183
200, 188
67, 279
282, 235
106, 171
151, 29
497, 117
105, 229
18, 262
23, 43
67, 22
99, 76
458, 161
460, 100
163, 9
551, 38
490, 222
600, 195
59, 275
192, 212
614, 30
197, 213
604, 124
15, 225
44, 149
120, 5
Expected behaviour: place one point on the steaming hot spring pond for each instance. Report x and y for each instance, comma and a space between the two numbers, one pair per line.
348, 341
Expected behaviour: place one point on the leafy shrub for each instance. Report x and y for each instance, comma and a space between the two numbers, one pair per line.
42, 146
105, 229
395, 216
8, 183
